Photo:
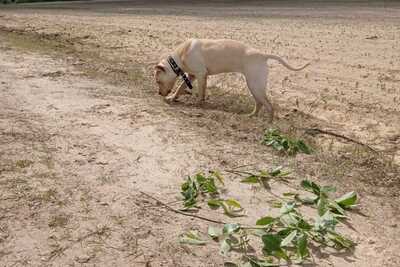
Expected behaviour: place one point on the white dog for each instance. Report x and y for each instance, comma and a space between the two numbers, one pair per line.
202, 57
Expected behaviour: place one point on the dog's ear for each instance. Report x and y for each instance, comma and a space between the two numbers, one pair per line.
160, 67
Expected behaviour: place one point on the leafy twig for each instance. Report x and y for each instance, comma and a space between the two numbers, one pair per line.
283, 143
180, 212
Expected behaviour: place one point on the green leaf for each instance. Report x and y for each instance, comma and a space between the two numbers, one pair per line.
288, 240
189, 192
336, 208
347, 200
230, 210
276, 171
200, 178
206, 184
290, 194
278, 146
230, 264
304, 225
219, 177
230, 228
307, 200
252, 179
340, 241
287, 207
281, 254
272, 243
289, 220
276, 204
214, 203
303, 147
265, 220
233, 203
209, 186
214, 232
272, 246
323, 205
191, 238
258, 232
284, 232
301, 247
325, 222
225, 247
280, 142
311, 187
328, 189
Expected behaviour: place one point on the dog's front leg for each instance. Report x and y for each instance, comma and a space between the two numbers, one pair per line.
181, 89
202, 84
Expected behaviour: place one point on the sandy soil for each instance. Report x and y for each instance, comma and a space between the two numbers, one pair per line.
83, 130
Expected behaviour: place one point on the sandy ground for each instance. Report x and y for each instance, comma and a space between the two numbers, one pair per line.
83, 130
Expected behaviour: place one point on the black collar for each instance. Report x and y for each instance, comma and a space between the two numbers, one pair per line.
179, 72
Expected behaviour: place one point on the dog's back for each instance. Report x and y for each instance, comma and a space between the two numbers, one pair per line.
221, 55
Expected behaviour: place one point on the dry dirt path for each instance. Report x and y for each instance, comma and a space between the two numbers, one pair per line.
72, 168
74, 161
76, 152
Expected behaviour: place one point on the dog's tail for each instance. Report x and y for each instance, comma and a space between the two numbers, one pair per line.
284, 63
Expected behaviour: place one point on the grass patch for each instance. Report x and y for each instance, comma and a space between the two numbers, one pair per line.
89, 58
23, 163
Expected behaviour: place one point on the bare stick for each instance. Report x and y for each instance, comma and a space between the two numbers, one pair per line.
180, 212
319, 131
245, 165
237, 172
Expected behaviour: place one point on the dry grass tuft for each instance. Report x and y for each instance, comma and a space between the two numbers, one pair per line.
59, 220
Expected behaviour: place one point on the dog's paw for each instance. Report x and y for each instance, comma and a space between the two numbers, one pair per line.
170, 99
252, 115
188, 91
199, 102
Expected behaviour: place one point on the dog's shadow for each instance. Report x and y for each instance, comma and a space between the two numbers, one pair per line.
217, 100
229, 106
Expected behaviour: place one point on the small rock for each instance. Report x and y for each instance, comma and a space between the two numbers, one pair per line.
83, 259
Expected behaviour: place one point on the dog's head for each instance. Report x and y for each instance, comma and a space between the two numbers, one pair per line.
165, 78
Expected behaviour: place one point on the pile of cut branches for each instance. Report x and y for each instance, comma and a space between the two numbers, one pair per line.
282, 239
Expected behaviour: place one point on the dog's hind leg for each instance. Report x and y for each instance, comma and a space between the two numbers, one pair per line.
256, 79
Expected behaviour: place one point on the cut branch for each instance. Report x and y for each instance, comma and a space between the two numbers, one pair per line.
314, 131
180, 212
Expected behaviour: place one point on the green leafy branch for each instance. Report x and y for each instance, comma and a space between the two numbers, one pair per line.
320, 197
205, 187
285, 237
231, 207
263, 177
288, 236
283, 143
